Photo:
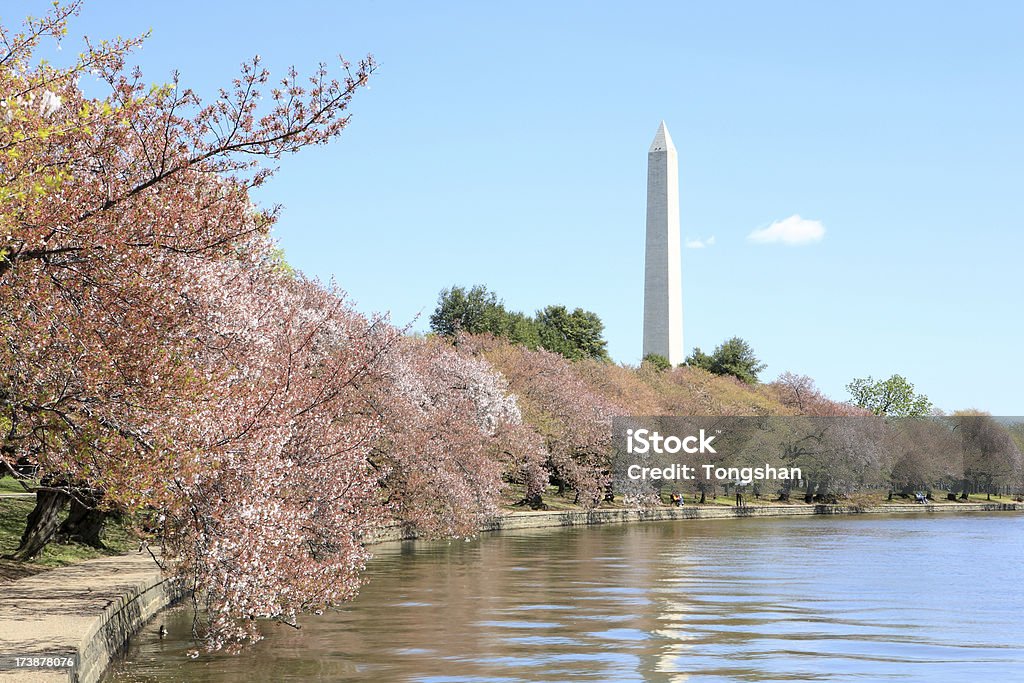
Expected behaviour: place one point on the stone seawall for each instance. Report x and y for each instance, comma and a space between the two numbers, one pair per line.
84, 613
538, 520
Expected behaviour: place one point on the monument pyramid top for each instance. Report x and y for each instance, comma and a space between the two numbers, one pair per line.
662, 140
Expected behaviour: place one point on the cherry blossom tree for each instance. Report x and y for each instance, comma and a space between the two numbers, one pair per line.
800, 394
155, 359
453, 433
574, 421
991, 458
924, 452
102, 201
266, 509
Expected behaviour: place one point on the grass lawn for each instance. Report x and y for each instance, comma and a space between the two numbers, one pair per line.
554, 502
982, 498
13, 511
11, 485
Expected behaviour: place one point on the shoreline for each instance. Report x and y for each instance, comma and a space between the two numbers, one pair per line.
567, 518
93, 609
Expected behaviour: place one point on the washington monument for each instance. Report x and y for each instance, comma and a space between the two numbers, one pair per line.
663, 288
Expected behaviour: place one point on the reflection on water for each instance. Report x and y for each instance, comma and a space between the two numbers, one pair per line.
865, 598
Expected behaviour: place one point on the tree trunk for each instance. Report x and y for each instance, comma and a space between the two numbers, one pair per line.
83, 524
535, 501
41, 525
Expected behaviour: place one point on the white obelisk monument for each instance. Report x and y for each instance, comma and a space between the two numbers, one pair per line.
663, 287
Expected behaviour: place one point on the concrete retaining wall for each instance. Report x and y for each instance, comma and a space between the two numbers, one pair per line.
120, 621
537, 520
86, 612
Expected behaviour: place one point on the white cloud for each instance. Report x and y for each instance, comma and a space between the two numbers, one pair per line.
792, 230
700, 243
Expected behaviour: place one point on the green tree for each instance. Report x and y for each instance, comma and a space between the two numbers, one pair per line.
575, 335
893, 397
473, 311
521, 329
732, 357
657, 361
699, 359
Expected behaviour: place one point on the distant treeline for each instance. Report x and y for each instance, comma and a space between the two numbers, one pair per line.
575, 334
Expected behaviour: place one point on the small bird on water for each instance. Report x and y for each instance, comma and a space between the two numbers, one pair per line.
163, 631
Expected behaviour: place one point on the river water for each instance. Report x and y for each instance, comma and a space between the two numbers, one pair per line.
867, 598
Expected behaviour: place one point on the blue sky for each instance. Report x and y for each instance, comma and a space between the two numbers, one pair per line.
506, 144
